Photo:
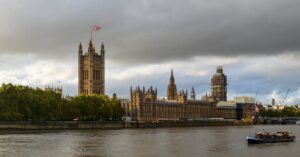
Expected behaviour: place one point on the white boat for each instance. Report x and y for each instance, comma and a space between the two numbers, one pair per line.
265, 137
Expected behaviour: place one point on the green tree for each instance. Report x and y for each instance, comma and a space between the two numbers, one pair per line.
25, 103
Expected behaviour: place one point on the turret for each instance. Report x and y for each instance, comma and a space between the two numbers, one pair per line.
102, 52
91, 48
182, 96
193, 95
151, 94
80, 52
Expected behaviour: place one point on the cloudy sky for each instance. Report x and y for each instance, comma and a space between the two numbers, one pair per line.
256, 41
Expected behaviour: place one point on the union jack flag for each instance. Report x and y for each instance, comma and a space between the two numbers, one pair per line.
96, 28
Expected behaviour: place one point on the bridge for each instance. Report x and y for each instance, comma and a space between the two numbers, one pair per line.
279, 120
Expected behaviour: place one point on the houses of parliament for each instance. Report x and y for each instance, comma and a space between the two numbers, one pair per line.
91, 70
145, 105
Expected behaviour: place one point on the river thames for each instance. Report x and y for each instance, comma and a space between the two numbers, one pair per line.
166, 142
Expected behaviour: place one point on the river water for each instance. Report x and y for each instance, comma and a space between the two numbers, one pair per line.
229, 141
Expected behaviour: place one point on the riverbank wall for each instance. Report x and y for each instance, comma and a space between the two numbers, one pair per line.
71, 125
165, 124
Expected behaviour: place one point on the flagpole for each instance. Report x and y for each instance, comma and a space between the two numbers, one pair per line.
94, 29
91, 33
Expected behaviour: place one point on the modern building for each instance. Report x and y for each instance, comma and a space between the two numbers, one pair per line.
145, 105
91, 70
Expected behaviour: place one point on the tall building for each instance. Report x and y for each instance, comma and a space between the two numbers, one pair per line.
172, 90
219, 85
91, 70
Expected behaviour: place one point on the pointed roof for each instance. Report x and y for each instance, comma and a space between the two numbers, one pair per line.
91, 47
172, 75
80, 48
102, 49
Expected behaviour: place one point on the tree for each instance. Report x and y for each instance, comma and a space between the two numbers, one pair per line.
25, 103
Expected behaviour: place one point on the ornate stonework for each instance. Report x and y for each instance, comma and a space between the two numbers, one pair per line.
91, 70
172, 90
146, 106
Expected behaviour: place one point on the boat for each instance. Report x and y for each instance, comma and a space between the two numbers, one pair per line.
265, 137
298, 122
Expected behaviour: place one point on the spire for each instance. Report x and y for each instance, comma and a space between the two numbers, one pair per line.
80, 46
172, 76
91, 47
80, 49
102, 49
172, 90
172, 80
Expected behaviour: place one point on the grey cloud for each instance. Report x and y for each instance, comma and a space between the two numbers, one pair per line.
154, 31
151, 31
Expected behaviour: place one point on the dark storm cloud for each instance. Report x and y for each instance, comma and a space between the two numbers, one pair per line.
153, 30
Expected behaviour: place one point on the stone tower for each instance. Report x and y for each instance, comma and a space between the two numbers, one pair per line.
219, 85
172, 90
91, 70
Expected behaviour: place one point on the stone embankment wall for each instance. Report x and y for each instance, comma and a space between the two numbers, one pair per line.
61, 125
65, 125
192, 124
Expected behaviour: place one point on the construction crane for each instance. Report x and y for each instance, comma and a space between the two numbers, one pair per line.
285, 96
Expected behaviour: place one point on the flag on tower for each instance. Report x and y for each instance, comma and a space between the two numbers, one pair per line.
96, 28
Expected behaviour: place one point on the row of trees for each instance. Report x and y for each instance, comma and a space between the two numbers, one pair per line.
285, 112
23, 103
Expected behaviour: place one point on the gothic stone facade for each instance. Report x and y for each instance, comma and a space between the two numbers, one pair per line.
91, 70
145, 106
